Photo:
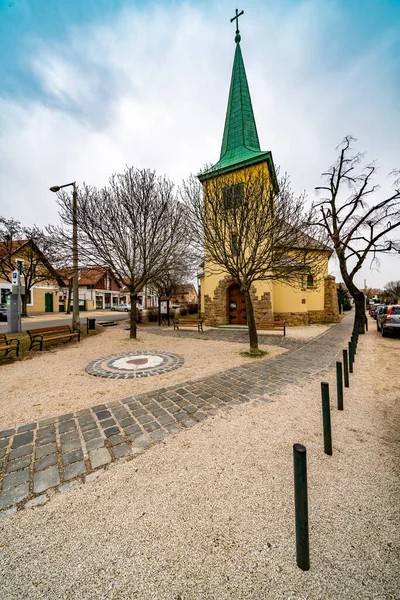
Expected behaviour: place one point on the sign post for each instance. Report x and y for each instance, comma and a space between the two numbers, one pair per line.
14, 304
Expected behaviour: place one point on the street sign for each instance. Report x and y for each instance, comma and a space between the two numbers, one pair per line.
15, 278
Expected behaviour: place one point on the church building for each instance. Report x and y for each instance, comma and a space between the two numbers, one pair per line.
314, 298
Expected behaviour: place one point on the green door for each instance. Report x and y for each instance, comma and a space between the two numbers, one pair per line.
48, 302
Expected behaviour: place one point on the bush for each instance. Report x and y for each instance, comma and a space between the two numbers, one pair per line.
193, 308
171, 313
152, 314
183, 311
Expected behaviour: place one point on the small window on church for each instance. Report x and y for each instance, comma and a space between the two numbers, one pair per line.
310, 281
233, 195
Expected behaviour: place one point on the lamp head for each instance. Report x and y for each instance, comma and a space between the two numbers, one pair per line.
55, 188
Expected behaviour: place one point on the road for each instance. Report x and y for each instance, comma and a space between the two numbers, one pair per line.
57, 319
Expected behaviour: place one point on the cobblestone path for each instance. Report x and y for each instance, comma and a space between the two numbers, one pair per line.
37, 459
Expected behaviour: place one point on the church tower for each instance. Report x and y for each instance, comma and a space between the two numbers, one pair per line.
240, 145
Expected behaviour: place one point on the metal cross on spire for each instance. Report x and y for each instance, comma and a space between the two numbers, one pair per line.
236, 18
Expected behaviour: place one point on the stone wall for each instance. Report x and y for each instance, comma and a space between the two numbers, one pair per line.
316, 316
331, 307
292, 319
216, 309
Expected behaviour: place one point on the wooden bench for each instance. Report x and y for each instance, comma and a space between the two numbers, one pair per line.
273, 325
7, 344
49, 334
189, 323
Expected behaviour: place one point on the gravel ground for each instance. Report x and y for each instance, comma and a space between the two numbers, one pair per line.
55, 382
208, 514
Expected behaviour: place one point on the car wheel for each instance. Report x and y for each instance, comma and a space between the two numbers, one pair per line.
125, 309
384, 333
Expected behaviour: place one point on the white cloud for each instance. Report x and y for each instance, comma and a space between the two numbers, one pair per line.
150, 88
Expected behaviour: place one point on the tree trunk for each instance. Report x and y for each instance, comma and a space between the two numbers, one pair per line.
359, 318
132, 332
24, 301
68, 307
251, 323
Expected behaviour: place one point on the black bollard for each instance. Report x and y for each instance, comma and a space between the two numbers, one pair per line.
339, 385
326, 418
350, 357
301, 506
346, 369
366, 323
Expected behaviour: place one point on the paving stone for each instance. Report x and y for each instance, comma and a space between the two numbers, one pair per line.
4, 442
50, 439
22, 451
10, 512
15, 479
18, 463
7, 433
91, 435
139, 412
45, 461
72, 445
180, 416
74, 470
173, 409
111, 431
107, 423
96, 443
44, 480
69, 437
44, 450
142, 442
14, 495
28, 427
172, 428
22, 439
2, 453
66, 426
116, 439
49, 421
90, 425
104, 414
199, 416
66, 417
132, 429
191, 409
158, 435
93, 476
145, 419
38, 501
99, 457
72, 457
189, 422
122, 450
151, 426
126, 422
45, 431
67, 486
99, 407
83, 412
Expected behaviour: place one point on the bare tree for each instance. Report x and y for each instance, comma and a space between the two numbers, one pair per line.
247, 230
359, 226
133, 226
392, 291
180, 268
25, 249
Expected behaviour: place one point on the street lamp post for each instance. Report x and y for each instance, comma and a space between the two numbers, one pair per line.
75, 274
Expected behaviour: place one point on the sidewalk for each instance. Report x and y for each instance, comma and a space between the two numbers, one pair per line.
62, 316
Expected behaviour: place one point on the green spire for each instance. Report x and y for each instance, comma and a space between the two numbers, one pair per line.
240, 145
240, 132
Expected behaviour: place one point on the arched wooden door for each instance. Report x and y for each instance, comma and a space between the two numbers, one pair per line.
237, 308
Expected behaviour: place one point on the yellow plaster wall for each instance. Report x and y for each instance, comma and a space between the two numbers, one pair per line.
39, 301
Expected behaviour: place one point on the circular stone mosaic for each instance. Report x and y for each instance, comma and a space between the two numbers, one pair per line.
130, 365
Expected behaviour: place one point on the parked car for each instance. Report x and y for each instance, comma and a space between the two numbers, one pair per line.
388, 320
375, 308
3, 312
121, 307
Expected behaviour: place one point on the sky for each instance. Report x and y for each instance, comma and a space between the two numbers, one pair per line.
90, 86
